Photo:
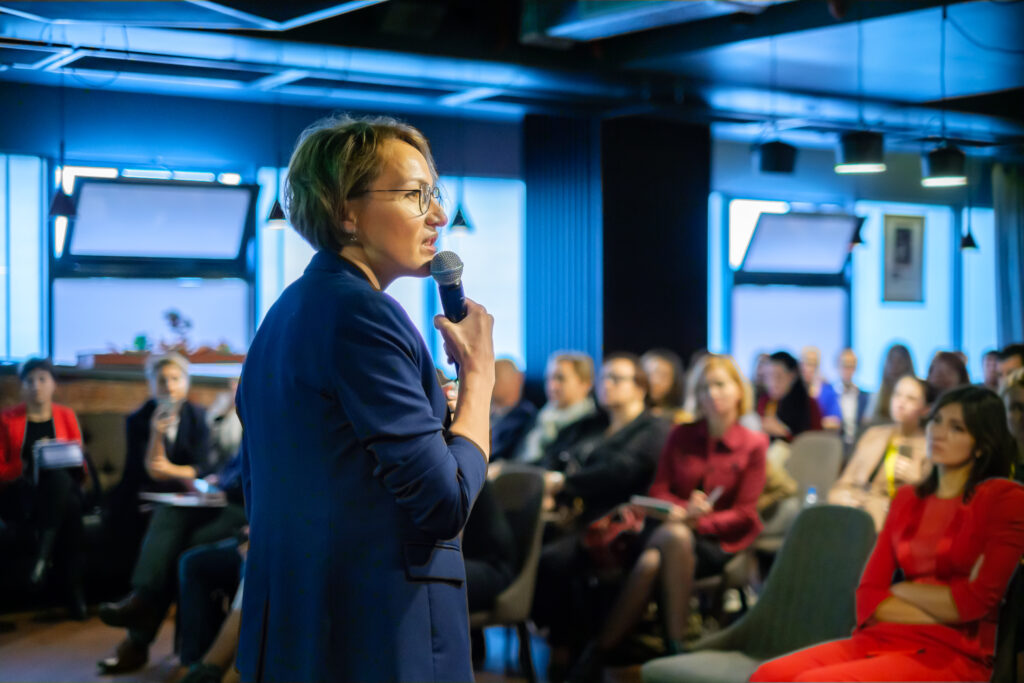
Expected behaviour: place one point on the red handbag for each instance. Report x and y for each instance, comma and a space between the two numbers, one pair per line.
609, 539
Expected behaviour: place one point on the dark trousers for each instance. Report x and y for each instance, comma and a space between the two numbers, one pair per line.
48, 516
207, 575
172, 531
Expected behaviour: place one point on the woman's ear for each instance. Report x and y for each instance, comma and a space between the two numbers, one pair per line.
348, 222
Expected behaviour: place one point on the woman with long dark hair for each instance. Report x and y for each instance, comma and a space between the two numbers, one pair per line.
786, 408
954, 540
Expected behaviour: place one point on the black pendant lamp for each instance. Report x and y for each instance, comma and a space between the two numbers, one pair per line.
62, 206
944, 166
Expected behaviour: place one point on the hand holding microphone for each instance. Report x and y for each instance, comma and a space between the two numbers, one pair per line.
466, 326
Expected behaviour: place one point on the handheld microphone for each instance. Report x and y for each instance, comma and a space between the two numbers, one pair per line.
446, 269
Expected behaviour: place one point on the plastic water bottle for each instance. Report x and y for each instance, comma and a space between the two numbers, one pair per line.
812, 497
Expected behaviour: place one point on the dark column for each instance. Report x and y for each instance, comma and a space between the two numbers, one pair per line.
563, 240
656, 179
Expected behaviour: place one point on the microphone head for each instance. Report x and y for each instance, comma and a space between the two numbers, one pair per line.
446, 268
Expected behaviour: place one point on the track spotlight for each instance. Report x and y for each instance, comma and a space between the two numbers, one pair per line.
944, 166
860, 152
775, 157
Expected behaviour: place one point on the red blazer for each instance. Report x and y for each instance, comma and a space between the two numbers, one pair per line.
990, 524
12, 436
736, 462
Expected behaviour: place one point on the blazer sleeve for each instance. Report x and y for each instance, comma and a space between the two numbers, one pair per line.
665, 475
739, 518
377, 375
1001, 552
876, 580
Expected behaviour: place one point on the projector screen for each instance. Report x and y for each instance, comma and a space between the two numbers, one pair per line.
153, 220
800, 243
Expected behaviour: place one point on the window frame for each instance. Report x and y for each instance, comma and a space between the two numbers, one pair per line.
242, 266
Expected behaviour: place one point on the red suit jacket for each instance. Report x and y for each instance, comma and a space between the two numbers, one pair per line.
736, 462
990, 524
12, 436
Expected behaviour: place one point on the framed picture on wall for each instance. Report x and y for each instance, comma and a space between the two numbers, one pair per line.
903, 272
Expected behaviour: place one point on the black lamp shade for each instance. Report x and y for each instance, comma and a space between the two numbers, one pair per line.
944, 167
776, 157
276, 218
62, 205
860, 152
967, 241
460, 222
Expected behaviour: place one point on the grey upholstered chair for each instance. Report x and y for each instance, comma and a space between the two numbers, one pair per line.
808, 598
519, 490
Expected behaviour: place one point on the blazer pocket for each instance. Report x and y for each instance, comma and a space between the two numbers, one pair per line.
434, 562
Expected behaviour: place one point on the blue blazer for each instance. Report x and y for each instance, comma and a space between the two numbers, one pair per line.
355, 493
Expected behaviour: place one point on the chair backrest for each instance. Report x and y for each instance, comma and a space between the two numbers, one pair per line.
810, 592
105, 444
519, 490
814, 460
1010, 632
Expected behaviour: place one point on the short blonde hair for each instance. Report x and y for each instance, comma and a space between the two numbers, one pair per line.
336, 158
714, 361
582, 364
155, 363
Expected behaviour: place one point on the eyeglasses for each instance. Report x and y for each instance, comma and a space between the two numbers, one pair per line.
424, 193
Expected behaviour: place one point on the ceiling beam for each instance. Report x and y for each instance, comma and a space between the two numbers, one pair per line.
638, 51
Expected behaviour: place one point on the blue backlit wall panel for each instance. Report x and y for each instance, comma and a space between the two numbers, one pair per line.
563, 241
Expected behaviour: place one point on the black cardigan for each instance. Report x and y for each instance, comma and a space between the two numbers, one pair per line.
606, 471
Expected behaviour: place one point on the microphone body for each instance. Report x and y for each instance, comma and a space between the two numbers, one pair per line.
446, 269
453, 301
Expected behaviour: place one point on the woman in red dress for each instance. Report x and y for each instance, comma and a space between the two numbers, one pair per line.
955, 540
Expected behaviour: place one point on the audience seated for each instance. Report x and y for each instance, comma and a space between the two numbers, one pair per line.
928, 601
887, 456
489, 551
569, 379
711, 472
946, 371
208, 637
898, 362
665, 375
168, 444
225, 428
787, 409
820, 390
171, 531
1013, 398
1010, 358
511, 414
605, 470
42, 509
990, 369
760, 376
600, 473
853, 402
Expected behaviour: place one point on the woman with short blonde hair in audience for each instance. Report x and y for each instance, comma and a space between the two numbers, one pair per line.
928, 602
887, 456
711, 473
568, 383
1013, 398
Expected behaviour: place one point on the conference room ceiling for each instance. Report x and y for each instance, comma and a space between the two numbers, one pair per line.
801, 69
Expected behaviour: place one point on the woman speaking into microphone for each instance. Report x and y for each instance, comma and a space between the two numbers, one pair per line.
357, 479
